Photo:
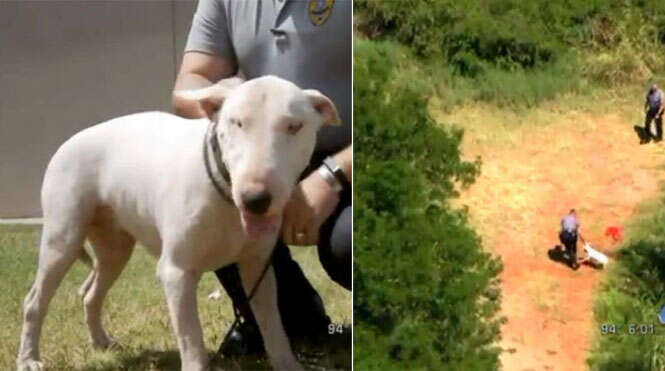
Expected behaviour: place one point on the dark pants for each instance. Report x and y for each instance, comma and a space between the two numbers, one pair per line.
651, 115
569, 240
335, 243
300, 306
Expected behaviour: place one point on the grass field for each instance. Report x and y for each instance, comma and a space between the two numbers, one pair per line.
135, 314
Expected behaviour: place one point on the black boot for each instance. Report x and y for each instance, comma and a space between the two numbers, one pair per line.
301, 308
243, 340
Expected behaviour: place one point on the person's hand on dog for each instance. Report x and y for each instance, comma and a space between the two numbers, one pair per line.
311, 203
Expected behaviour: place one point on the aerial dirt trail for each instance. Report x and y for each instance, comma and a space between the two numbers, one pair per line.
530, 178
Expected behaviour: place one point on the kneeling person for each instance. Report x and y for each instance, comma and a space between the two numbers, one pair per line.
568, 236
311, 47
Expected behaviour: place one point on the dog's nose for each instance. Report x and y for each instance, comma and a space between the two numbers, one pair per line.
257, 202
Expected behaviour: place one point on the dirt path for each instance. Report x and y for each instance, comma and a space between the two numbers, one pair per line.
532, 175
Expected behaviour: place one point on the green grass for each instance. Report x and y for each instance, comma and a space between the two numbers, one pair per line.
633, 293
135, 314
512, 89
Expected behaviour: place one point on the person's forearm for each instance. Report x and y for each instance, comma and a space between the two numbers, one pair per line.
344, 159
189, 108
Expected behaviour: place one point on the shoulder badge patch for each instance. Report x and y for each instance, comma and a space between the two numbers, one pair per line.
319, 11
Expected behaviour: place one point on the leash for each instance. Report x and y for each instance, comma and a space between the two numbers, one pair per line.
236, 310
210, 138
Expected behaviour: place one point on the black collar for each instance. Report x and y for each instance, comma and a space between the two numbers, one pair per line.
211, 144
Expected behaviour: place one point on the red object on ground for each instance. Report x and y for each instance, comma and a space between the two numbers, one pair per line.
616, 232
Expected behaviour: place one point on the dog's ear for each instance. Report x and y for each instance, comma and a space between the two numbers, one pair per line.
324, 106
211, 97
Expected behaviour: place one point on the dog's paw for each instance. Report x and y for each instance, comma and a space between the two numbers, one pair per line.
104, 343
30, 365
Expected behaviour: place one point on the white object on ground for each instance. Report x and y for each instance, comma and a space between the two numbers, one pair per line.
596, 255
215, 295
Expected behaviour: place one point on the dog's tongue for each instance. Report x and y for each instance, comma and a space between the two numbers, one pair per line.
257, 226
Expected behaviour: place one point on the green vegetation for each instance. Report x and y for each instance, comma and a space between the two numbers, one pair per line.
519, 53
633, 293
135, 314
425, 292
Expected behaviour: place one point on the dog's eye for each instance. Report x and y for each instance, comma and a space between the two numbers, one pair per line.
237, 123
294, 128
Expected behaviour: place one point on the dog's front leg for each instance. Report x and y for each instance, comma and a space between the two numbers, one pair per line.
264, 307
180, 289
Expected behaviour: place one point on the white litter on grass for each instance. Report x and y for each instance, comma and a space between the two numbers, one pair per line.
596, 255
215, 295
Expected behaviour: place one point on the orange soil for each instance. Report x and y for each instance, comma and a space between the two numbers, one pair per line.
591, 163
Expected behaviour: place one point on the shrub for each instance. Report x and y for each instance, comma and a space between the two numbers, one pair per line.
425, 292
459, 30
506, 47
620, 65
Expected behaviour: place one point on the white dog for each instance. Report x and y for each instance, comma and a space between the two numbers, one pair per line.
143, 178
